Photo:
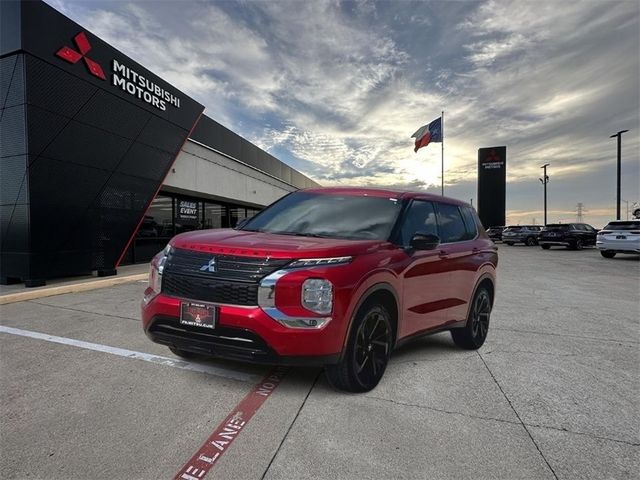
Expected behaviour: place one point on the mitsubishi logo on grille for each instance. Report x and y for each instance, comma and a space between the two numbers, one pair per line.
73, 56
209, 267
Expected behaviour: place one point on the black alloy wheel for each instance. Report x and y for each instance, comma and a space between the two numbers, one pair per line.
577, 244
531, 241
367, 354
607, 253
474, 333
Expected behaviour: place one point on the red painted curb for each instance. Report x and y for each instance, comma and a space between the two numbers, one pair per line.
225, 433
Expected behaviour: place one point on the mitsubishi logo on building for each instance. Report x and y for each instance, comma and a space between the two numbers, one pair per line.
73, 56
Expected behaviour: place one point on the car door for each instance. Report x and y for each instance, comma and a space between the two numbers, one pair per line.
457, 231
424, 277
592, 233
582, 233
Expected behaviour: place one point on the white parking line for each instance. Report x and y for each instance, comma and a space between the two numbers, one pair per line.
121, 352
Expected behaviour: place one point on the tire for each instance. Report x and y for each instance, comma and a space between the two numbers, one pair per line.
545, 246
183, 353
509, 243
367, 354
607, 253
576, 244
474, 333
530, 242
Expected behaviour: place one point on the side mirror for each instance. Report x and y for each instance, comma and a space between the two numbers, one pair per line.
424, 241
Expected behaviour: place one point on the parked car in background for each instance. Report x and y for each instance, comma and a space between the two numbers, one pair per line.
619, 236
527, 234
571, 235
495, 233
336, 277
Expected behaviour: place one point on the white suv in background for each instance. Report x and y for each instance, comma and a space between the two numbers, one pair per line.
619, 236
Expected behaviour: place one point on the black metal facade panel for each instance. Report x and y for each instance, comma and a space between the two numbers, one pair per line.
211, 133
14, 185
94, 167
492, 177
81, 159
10, 26
11, 81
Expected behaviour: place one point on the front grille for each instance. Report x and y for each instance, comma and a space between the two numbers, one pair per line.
234, 281
209, 290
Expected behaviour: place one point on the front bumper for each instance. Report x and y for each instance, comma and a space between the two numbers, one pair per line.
243, 333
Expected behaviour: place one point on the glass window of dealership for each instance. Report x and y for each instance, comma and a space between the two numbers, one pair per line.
171, 214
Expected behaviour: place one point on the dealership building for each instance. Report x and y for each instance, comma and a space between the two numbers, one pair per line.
102, 161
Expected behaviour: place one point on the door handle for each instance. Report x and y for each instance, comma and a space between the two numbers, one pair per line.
443, 253
475, 250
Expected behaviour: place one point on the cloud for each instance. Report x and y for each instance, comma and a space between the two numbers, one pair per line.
336, 88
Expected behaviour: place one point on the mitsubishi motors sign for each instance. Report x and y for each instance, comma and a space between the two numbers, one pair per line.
72, 56
64, 44
122, 76
141, 87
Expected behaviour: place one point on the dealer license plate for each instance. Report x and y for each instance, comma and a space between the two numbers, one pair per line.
621, 237
198, 314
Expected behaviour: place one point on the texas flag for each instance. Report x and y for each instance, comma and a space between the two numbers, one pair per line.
428, 133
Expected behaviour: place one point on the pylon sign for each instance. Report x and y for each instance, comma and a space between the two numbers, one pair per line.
492, 179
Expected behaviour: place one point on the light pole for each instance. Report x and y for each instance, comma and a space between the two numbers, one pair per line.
619, 135
544, 180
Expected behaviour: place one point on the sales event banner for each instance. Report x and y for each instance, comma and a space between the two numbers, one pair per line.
492, 179
187, 211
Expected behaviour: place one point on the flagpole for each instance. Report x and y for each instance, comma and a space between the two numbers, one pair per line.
442, 163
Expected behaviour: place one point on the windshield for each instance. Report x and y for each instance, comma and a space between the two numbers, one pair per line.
559, 226
513, 229
332, 216
630, 225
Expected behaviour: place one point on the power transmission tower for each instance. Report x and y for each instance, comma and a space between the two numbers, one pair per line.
580, 211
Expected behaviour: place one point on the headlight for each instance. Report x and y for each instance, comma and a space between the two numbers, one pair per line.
155, 273
155, 279
317, 295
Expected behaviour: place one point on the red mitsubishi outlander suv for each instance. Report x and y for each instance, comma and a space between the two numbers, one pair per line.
329, 276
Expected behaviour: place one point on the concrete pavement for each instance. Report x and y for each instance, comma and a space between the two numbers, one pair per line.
552, 394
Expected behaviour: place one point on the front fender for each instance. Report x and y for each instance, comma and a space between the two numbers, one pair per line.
375, 281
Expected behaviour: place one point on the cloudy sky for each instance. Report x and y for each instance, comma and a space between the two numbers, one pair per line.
335, 89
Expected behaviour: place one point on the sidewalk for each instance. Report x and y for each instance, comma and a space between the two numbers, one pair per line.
18, 292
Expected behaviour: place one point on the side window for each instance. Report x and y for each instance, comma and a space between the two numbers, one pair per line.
579, 227
421, 217
450, 223
469, 223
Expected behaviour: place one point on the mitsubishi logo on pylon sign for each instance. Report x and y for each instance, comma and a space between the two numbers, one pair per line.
72, 56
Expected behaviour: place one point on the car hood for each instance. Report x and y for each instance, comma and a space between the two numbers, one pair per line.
259, 244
